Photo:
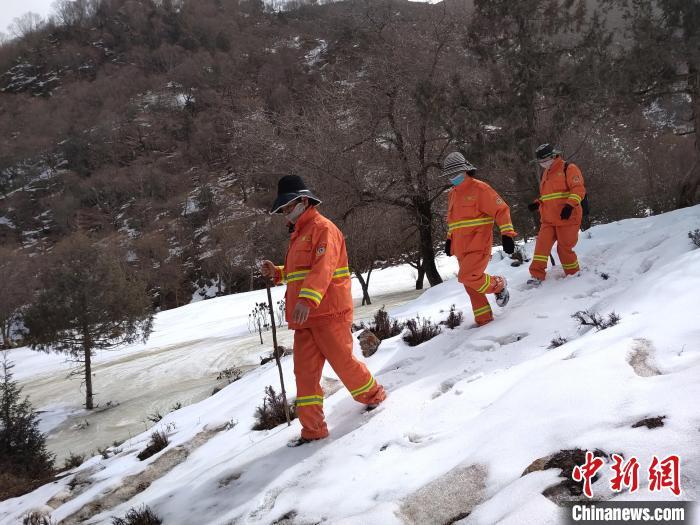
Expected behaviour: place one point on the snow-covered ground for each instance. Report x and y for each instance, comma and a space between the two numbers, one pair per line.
467, 412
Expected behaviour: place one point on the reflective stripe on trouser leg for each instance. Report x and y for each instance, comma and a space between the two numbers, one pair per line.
335, 341
545, 240
308, 366
480, 306
567, 237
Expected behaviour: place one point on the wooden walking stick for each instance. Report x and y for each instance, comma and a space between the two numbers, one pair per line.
274, 351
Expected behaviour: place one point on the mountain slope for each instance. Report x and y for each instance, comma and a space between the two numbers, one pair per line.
467, 412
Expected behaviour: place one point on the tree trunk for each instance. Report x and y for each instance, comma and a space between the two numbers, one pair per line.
88, 378
87, 351
420, 278
5, 325
425, 230
365, 287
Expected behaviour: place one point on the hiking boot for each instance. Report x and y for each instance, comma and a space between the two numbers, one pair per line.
299, 442
533, 282
503, 296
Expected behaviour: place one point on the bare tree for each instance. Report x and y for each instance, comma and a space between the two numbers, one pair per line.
372, 238
72, 13
26, 24
380, 136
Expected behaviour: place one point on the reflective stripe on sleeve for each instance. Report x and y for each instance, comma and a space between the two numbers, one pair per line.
310, 293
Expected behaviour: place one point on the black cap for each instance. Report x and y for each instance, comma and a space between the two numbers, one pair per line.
545, 151
290, 188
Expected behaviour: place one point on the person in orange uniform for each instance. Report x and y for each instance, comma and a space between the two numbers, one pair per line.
319, 307
561, 193
473, 207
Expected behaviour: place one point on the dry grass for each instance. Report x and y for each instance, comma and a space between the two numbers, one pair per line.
590, 318
142, 516
454, 318
159, 440
271, 413
383, 326
420, 330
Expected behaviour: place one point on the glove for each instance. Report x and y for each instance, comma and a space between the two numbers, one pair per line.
508, 244
586, 223
533, 205
566, 211
448, 247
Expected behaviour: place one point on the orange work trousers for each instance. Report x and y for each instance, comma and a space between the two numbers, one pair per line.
477, 283
330, 341
566, 237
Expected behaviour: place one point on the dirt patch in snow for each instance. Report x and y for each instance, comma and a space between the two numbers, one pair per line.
640, 358
448, 498
133, 485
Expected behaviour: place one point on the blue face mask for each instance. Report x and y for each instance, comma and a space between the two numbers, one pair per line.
459, 179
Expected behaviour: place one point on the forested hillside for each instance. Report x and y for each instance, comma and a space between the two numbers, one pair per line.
162, 127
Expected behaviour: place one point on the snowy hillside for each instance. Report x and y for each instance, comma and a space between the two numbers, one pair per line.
467, 412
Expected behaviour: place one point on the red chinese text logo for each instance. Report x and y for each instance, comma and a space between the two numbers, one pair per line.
663, 474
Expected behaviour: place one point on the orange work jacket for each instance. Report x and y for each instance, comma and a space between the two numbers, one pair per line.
472, 209
558, 189
316, 271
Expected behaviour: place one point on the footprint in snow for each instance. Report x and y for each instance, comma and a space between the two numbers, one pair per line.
491, 343
646, 265
654, 243
485, 345
449, 383
510, 339
417, 439
402, 364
